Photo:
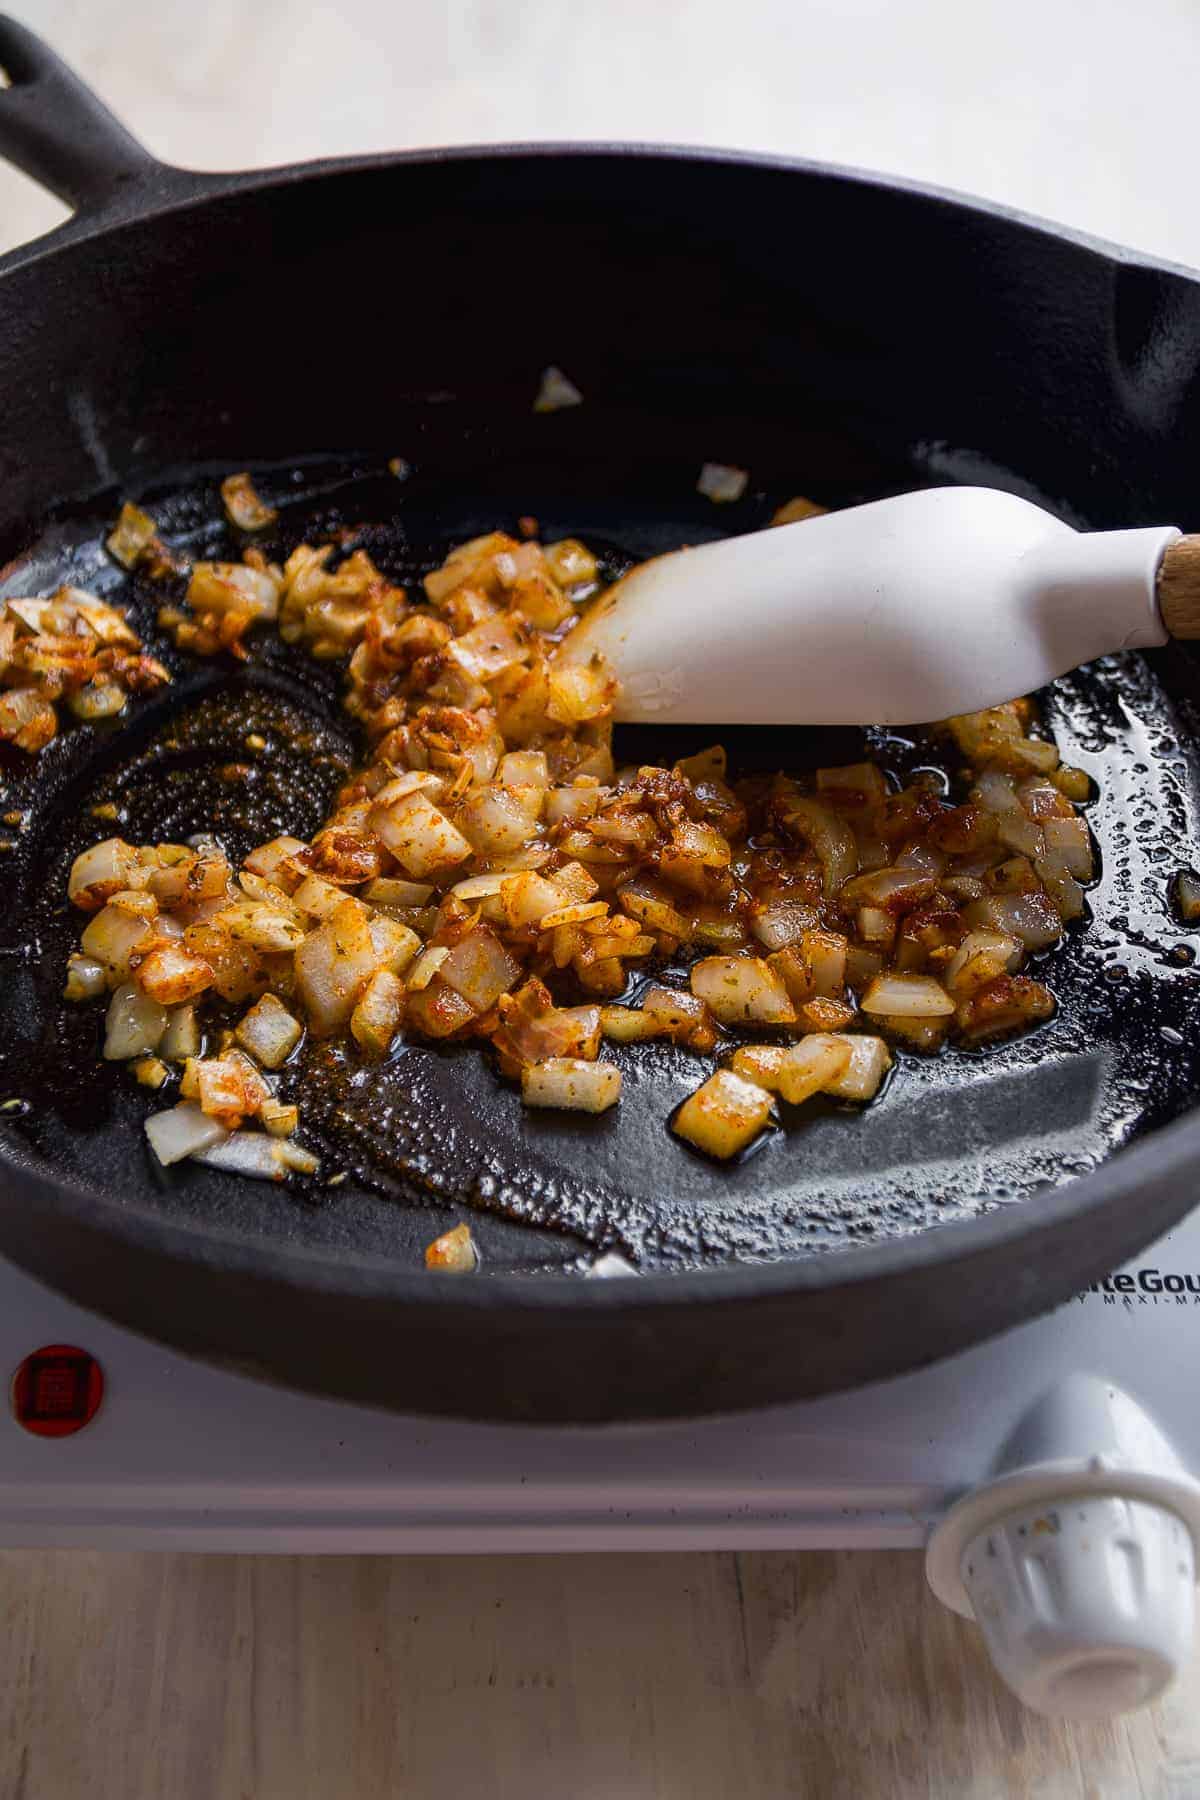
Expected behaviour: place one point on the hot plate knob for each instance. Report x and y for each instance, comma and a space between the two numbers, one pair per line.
1086, 1603
1076, 1554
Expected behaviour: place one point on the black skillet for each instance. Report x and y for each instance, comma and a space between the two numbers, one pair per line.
837, 335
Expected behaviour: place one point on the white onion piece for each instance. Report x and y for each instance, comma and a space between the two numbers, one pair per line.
907, 997
255, 1154
1187, 895
181, 1039
721, 482
1031, 917
830, 837
499, 819
86, 979
625, 1025
575, 802
134, 1026
1070, 840
891, 890
421, 838
331, 966
825, 952
477, 887
480, 969
269, 1032
555, 392
1017, 832
995, 793
394, 944
610, 1264
759, 1063
742, 990
182, 1131
724, 1114
523, 768
923, 857
527, 898
782, 921
318, 898
389, 892
102, 871
569, 1083
980, 957
870, 1061
244, 507
113, 935
488, 647
1060, 884
810, 1066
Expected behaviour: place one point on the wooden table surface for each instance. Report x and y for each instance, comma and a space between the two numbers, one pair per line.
654, 1677
173, 1677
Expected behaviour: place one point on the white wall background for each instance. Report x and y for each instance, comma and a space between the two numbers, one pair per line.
1083, 110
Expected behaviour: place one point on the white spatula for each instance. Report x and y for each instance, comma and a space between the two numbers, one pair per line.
909, 609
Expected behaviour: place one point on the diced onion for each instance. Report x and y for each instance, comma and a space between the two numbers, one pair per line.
487, 847
97, 874
1187, 895
907, 996
258, 1155
555, 392
332, 965
182, 1131
724, 1115
610, 1264
830, 837
181, 1039
980, 957
421, 838
453, 1253
174, 974
269, 1032
995, 792
869, 1063
1070, 840
1062, 887
133, 535
891, 890
571, 1084
782, 921
86, 979
243, 507
480, 969
134, 1026
792, 512
721, 482
233, 587
759, 1063
626, 1025
741, 990
376, 1018
812, 1066
1030, 917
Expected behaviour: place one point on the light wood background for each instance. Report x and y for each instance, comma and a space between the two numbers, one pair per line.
537, 1678
128, 1677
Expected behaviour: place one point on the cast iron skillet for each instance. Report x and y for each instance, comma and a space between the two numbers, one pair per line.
837, 335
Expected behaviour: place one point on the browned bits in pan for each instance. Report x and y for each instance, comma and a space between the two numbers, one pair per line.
488, 873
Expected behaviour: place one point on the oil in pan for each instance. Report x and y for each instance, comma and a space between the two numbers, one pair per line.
249, 753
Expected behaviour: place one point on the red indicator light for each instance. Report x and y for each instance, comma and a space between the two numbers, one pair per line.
57, 1391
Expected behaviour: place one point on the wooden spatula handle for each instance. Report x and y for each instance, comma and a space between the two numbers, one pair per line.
1179, 587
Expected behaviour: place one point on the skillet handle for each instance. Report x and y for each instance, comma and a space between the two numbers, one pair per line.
54, 128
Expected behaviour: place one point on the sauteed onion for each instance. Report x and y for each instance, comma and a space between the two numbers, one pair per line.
489, 873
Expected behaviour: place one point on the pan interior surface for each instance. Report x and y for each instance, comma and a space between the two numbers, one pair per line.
435, 1135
